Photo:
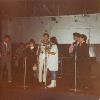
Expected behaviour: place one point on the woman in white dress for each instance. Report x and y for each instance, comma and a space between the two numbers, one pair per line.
52, 63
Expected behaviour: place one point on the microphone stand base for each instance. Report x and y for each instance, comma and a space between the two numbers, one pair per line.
75, 90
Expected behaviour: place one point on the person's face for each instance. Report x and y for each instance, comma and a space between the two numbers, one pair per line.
81, 39
27, 45
51, 42
76, 38
45, 38
31, 44
6, 39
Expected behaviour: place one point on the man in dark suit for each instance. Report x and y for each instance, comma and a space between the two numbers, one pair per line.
83, 64
6, 55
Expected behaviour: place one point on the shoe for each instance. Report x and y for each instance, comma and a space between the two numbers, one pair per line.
53, 84
86, 87
9, 81
41, 83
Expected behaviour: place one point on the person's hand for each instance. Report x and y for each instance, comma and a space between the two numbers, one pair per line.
71, 48
34, 67
46, 49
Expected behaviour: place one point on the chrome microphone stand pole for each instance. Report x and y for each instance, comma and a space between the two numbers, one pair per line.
25, 69
45, 67
75, 81
25, 73
75, 71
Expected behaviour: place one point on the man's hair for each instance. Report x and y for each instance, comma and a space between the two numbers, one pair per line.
46, 34
32, 41
7, 36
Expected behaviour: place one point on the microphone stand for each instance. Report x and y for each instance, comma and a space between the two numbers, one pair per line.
25, 72
25, 69
75, 81
75, 75
61, 67
45, 66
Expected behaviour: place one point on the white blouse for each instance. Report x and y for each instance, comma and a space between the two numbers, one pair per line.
52, 61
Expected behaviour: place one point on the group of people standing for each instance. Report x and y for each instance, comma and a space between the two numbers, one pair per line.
45, 57
48, 59
79, 50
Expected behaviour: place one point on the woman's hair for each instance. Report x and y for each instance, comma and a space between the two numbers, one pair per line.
54, 40
76, 34
84, 37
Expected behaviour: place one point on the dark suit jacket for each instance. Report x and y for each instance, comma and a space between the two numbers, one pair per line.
6, 52
83, 52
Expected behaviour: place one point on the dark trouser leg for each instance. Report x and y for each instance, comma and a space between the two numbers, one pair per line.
8, 65
53, 75
2, 70
84, 76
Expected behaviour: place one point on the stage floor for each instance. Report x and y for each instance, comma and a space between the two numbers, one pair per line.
64, 86
42, 95
34, 89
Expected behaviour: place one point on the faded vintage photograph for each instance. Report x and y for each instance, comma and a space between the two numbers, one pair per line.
49, 49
